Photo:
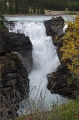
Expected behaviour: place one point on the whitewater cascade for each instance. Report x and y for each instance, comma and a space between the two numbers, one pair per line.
45, 60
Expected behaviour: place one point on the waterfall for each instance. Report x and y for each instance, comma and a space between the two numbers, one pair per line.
45, 60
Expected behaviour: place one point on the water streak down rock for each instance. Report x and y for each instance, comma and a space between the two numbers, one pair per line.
15, 61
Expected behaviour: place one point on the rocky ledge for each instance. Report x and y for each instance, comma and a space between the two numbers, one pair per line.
54, 27
15, 63
58, 81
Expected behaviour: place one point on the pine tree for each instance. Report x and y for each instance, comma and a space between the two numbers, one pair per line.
16, 6
11, 7
42, 4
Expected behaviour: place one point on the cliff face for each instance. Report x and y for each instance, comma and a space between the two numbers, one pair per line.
18, 43
15, 62
54, 26
57, 81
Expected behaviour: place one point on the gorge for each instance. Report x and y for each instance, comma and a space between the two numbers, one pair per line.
18, 52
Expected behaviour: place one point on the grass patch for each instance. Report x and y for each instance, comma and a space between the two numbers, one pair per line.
68, 111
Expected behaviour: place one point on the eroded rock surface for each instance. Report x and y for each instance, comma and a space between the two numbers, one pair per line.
19, 43
15, 63
54, 27
14, 76
58, 81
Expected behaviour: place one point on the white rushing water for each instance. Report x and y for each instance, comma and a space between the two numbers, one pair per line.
45, 59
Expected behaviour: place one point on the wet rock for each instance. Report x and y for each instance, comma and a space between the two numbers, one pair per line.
11, 24
54, 27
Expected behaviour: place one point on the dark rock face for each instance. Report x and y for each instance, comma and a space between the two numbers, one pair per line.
13, 75
58, 81
54, 27
22, 45
15, 62
18, 43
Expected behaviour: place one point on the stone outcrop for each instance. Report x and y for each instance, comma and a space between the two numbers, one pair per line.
19, 43
13, 76
58, 81
15, 63
54, 27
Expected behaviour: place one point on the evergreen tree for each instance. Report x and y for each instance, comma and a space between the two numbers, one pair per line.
34, 5
42, 4
11, 7
37, 6
2, 7
16, 7
34, 8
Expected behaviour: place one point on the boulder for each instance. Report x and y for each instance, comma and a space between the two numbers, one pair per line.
54, 27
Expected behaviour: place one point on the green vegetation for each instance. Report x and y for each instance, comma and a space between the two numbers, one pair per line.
70, 52
70, 47
68, 111
3, 21
36, 6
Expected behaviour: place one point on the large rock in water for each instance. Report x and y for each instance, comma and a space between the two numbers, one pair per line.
15, 63
54, 27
